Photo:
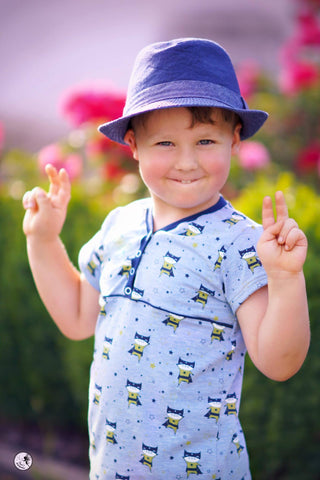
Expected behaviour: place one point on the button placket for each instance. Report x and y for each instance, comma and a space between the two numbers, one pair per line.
135, 261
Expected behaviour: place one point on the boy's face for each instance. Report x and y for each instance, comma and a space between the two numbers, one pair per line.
184, 168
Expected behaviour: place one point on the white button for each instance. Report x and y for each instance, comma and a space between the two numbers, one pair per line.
128, 290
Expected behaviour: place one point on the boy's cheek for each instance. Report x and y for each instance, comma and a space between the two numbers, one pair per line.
151, 173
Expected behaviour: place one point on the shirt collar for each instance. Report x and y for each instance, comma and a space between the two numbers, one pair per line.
217, 206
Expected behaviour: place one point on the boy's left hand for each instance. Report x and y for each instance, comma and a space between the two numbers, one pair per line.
282, 246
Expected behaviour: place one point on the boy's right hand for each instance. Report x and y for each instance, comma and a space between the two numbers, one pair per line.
46, 212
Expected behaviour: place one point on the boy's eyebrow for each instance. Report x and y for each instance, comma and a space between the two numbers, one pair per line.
157, 137
194, 122
204, 129
213, 123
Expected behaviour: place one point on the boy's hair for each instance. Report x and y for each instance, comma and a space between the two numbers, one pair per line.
198, 115
204, 114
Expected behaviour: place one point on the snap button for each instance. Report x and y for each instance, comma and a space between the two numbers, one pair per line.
128, 290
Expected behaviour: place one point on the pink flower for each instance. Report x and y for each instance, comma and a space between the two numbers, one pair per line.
308, 29
297, 76
248, 76
298, 71
74, 165
306, 34
50, 154
309, 158
90, 104
253, 155
54, 154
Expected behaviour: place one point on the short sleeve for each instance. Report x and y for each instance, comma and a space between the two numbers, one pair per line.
242, 270
91, 258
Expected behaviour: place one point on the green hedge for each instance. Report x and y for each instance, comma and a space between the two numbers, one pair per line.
281, 420
44, 376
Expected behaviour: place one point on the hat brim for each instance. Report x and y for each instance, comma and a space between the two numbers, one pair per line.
252, 120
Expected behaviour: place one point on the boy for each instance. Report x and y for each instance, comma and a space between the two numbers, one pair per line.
181, 283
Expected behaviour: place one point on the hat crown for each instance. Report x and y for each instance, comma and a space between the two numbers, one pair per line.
186, 72
186, 59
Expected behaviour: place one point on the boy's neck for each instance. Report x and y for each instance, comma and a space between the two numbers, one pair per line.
162, 217
166, 215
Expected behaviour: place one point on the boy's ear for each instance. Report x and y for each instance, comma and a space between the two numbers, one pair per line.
236, 139
130, 139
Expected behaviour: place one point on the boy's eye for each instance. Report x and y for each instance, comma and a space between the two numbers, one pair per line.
206, 141
165, 144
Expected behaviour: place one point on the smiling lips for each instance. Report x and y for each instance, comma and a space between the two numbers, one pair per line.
185, 182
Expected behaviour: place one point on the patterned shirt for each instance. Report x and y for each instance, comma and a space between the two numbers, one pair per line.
167, 371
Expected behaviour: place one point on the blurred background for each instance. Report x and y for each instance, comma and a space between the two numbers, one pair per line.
65, 69
48, 47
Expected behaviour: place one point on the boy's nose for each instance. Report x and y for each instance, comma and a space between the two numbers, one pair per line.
186, 160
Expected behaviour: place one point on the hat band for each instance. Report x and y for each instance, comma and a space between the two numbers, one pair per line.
194, 91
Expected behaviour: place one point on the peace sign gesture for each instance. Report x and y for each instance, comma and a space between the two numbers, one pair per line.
282, 246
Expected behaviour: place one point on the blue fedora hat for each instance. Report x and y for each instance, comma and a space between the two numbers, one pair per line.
186, 72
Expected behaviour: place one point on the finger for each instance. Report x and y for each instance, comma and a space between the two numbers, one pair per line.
64, 178
65, 186
267, 213
60, 186
53, 177
281, 206
295, 237
28, 201
286, 228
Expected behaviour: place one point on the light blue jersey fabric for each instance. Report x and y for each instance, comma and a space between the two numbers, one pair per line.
168, 361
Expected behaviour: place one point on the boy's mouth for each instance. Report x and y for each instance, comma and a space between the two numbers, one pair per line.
184, 182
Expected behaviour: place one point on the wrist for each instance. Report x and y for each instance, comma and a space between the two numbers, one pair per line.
35, 241
278, 281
